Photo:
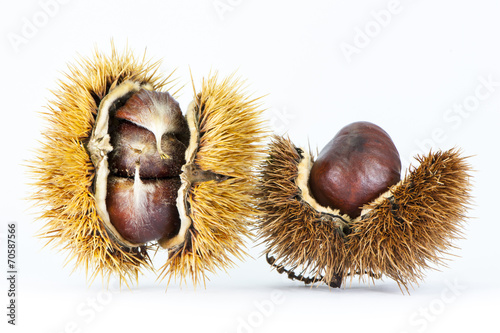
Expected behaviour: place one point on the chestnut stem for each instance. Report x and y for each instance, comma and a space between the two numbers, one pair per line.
196, 175
336, 282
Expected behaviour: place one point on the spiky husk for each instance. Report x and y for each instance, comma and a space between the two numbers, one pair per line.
417, 225
296, 235
399, 234
63, 172
231, 144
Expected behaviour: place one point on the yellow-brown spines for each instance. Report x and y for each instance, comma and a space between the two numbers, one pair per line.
406, 232
296, 235
231, 145
63, 172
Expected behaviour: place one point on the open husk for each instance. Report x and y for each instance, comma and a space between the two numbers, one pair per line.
405, 230
217, 200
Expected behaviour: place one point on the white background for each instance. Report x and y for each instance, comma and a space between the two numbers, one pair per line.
406, 77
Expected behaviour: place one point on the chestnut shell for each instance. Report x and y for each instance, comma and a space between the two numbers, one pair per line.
355, 167
157, 215
133, 144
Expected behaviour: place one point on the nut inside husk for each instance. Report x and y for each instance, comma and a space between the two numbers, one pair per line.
138, 146
399, 234
95, 146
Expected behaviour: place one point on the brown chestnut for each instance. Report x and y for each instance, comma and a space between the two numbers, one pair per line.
133, 144
143, 210
355, 167
159, 113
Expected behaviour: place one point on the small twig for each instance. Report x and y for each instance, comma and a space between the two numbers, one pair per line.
335, 283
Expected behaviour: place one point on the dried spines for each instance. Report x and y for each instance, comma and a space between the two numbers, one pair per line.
298, 236
63, 172
221, 214
231, 135
405, 233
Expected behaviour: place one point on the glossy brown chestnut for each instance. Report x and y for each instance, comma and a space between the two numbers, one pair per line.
143, 212
355, 167
133, 144
157, 112
149, 136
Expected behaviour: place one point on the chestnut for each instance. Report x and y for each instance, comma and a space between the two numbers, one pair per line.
143, 210
355, 167
132, 143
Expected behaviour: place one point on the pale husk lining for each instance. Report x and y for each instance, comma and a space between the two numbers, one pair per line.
99, 147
